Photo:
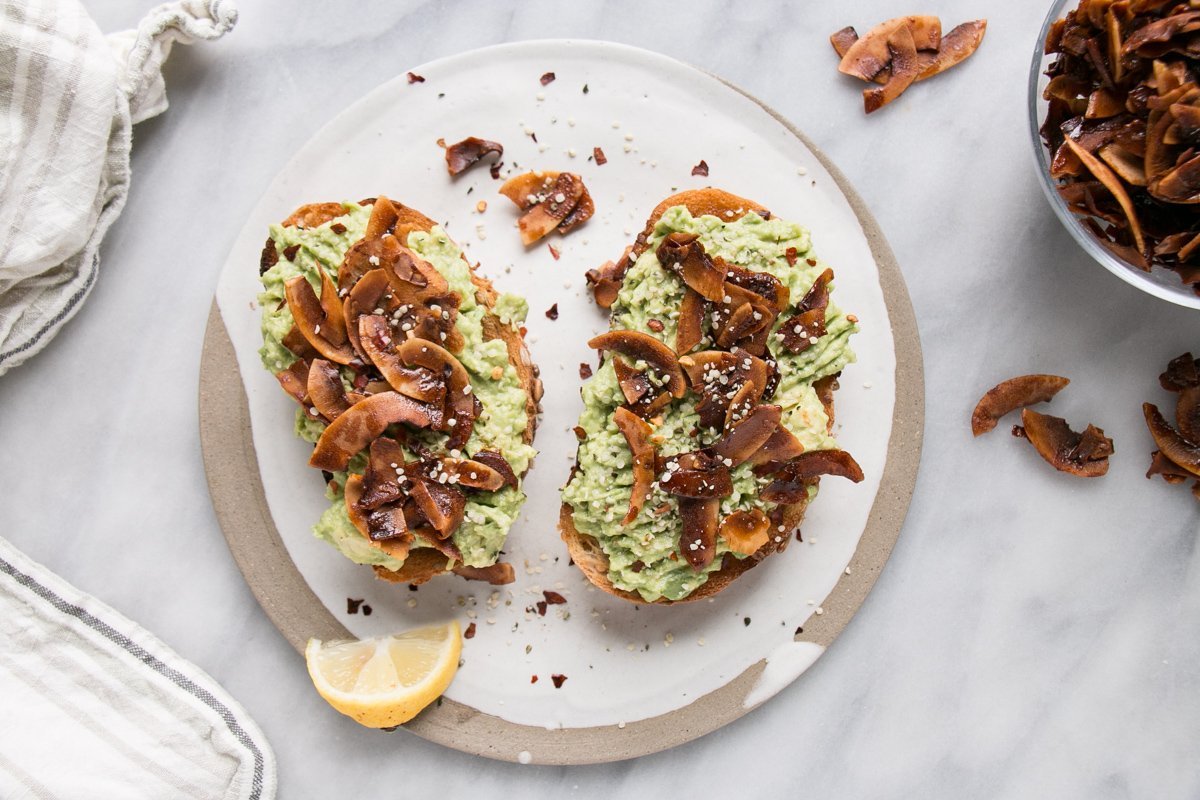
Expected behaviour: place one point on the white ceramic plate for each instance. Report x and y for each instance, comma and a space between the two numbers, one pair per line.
634, 673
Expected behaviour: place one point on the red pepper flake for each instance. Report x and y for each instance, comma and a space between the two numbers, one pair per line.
533, 678
361, 380
559, 680
290, 252
352, 606
598, 154
415, 78
338, 228
791, 254
580, 433
548, 78
554, 252
366, 610
701, 169
541, 608
638, 565
655, 326
585, 371
552, 312
554, 598
812, 262
469, 633
495, 170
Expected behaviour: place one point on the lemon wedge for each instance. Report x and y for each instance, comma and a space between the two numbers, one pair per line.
385, 680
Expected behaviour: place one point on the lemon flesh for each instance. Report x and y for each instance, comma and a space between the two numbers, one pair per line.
385, 680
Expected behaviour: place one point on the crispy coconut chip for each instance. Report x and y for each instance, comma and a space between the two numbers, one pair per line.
1085, 455
745, 532
461, 156
325, 390
381, 480
443, 545
639, 346
743, 319
718, 376
956, 47
902, 51
319, 330
682, 254
377, 342
550, 200
866, 57
634, 384
461, 409
397, 546
1187, 413
1183, 453
442, 504
804, 328
793, 478
472, 474
781, 448
1013, 394
698, 539
1111, 182
1171, 472
497, 462
294, 341
499, 574
383, 219
314, 215
637, 433
696, 475
689, 330
904, 66
746, 437
294, 381
363, 423
605, 281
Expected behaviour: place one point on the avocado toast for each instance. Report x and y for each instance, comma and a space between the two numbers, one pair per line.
414, 386
709, 421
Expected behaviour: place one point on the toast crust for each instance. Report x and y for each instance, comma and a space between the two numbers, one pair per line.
584, 549
425, 563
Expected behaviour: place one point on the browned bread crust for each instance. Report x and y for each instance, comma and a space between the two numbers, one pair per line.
422, 564
584, 549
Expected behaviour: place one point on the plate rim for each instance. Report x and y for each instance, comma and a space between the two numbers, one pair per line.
239, 501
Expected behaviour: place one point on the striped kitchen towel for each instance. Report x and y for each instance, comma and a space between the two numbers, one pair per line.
69, 97
93, 706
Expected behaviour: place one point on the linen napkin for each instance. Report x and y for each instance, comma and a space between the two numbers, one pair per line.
69, 97
94, 706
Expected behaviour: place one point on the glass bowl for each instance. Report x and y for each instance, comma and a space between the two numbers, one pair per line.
1160, 282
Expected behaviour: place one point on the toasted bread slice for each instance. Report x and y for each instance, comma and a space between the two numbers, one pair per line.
421, 564
584, 549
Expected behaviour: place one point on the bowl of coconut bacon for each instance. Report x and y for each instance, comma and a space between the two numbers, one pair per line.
1114, 114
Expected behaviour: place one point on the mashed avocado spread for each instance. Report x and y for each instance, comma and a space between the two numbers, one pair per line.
489, 515
600, 489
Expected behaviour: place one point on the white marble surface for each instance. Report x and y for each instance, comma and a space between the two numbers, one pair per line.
1033, 635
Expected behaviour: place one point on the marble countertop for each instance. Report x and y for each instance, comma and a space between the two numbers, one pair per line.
1032, 635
